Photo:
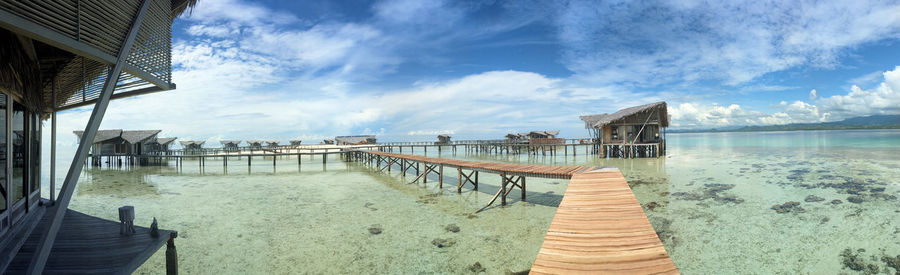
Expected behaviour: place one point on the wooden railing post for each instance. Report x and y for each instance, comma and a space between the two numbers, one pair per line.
171, 255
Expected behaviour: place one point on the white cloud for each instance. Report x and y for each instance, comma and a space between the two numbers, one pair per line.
649, 43
884, 99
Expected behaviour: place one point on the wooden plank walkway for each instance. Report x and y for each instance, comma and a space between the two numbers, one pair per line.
600, 228
495, 167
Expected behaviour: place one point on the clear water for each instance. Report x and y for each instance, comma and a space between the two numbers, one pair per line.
711, 201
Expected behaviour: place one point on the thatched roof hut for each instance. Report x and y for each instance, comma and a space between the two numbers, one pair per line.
600, 120
542, 134
296, 142
272, 143
192, 144
355, 140
644, 124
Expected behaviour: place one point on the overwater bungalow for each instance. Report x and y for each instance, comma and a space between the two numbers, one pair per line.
327, 141
355, 140
295, 143
638, 131
542, 134
255, 144
516, 138
159, 146
192, 147
55, 56
271, 144
442, 140
119, 142
230, 145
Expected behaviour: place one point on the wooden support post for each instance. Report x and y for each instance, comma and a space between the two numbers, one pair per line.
441, 176
503, 189
171, 255
459, 178
476, 180
523, 187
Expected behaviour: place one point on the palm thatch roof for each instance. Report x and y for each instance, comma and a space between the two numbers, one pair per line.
544, 133
354, 139
230, 142
137, 136
600, 120
255, 142
444, 136
102, 135
186, 143
296, 142
164, 141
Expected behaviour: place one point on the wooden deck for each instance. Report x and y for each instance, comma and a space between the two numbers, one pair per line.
90, 245
600, 228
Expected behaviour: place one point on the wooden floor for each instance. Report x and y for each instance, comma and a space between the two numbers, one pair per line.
90, 245
600, 228
545, 171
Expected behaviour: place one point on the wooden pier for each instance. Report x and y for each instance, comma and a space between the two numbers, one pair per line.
599, 227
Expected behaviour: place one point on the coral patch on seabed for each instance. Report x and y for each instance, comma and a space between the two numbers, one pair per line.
791, 206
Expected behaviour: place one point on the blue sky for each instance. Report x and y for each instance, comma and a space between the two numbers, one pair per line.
412, 69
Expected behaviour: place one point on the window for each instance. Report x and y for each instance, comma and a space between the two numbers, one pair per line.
3, 178
35, 157
17, 184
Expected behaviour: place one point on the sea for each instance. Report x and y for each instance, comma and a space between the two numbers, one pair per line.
800, 202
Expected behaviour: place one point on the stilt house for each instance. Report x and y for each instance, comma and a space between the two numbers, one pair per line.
634, 131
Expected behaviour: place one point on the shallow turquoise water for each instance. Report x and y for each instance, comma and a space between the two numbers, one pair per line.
711, 200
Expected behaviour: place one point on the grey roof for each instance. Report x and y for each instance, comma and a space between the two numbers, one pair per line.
235, 142
136, 136
165, 140
296, 141
102, 135
600, 120
252, 141
444, 135
353, 139
546, 133
272, 142
190, 142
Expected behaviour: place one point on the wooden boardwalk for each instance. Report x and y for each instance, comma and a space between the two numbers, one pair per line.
600, 228
543, 171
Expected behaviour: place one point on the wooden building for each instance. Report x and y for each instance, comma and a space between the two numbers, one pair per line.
295, 143
192, 147
55, 56
327, 141
271, 144
255, 144
637, 131
514, 138
230, 145
542, 134
443, 139
119, 142
160, 146
355, 140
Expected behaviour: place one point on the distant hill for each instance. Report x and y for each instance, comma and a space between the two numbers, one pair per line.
865, 122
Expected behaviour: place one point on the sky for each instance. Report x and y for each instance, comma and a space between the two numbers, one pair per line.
413, 69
